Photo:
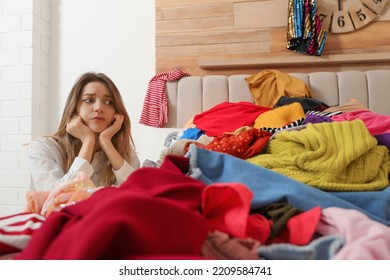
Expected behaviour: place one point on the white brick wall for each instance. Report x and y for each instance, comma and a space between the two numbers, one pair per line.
24, 87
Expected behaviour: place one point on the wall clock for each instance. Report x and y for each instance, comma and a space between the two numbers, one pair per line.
341, 16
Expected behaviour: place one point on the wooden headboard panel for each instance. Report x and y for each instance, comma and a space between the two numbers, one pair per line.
192, 95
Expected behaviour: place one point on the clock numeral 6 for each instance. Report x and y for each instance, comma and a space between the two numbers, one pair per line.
341, 21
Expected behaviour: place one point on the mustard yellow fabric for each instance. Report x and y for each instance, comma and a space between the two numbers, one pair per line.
269, 85
280, 116
337, 156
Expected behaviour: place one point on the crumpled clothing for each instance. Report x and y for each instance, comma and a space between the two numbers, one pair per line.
220, 246
226, 207
16, 231
280, 213
245, 144
227, 117
141, 218
365, 239
322, 248
270, 187
268, 85
336, 156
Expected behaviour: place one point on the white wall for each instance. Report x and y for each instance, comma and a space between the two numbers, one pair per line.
24, 88
116, 37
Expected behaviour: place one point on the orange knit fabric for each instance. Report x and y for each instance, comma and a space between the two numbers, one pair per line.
280, 116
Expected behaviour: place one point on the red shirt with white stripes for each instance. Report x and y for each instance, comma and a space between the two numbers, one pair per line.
155, 108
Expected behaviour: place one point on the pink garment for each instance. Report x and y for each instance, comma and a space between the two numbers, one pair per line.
155, 108
365, 239
228, 117
376, 124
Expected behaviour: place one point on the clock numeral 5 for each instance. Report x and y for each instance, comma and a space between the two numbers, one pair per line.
361, 15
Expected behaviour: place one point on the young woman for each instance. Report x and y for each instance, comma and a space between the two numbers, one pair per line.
94, 136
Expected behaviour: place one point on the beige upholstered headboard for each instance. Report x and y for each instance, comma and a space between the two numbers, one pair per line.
192, 95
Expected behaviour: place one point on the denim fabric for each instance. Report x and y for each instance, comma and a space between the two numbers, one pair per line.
322, 248
270, 187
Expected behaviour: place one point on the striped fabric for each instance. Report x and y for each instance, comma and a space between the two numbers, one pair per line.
323, 114
155, 108
16, 230
292, 124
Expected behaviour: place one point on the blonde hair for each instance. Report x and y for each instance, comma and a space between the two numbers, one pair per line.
71, 146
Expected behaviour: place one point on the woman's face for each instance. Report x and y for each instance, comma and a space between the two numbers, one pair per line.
96, 107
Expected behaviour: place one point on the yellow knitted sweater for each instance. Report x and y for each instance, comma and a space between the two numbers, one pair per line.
337, 156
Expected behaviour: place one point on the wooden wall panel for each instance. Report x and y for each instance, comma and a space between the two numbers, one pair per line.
213, 37
198, 11
194, 25
260, 14
188, 33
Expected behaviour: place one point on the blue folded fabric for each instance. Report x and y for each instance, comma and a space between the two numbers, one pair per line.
192, 133
375, 202
322, 248
269, 186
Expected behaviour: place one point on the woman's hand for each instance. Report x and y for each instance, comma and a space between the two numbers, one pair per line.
110, 131
79, 130
105, 142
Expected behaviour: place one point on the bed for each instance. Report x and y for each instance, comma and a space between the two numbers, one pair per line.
193, 95
196, 202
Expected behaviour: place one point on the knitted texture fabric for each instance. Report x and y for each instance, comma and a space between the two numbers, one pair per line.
280, 116
155, 109
337, 156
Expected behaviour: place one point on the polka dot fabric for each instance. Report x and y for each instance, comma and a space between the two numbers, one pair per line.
242, 145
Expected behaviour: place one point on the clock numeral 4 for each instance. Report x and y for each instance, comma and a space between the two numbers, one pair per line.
375, 5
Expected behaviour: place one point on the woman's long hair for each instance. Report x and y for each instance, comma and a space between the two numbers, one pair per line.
71, 146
